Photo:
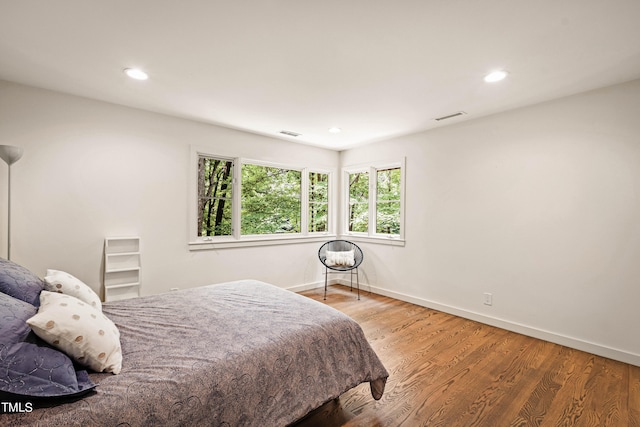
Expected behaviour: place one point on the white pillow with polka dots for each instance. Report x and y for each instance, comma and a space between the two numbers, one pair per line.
64, 283
82, 332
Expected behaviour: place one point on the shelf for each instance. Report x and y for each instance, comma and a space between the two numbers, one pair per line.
124, 285
122, 245
118, 294
121, 268
120, 277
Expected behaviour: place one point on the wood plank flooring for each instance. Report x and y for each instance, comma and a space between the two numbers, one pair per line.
448, 371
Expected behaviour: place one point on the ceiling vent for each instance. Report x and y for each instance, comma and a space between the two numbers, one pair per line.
289, 133
450, 116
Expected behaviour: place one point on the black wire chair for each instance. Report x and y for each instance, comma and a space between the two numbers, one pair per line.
341, 256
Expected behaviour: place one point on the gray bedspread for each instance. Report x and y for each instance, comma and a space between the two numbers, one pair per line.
235, 354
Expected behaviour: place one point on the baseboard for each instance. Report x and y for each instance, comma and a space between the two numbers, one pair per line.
589, 347
308, 286
319, 284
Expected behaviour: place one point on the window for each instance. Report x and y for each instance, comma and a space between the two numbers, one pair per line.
270, 200
247, 202
388, 201
359, 201
375, 195
215, 189
318, 202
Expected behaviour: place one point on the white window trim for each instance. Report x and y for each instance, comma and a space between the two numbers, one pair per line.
371, 235
331, 200
197, 243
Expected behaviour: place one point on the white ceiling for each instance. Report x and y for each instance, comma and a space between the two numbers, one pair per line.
375, 68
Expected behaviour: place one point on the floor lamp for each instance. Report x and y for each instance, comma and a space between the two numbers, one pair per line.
10, 155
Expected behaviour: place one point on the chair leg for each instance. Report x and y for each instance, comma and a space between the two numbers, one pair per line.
351, 277
325, 282
358, 281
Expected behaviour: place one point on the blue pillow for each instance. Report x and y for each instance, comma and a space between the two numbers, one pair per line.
31, 370
13, 320
20, 283
29, 367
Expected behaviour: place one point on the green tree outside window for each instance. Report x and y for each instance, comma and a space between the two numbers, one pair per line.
270, 200
215, 188
318, 202
359, 202
388, 201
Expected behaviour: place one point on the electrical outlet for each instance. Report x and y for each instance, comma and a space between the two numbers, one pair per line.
488, 298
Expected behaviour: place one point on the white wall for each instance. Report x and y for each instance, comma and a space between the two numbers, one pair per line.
92, 169
539, 206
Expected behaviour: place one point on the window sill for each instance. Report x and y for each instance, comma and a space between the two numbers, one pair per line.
257, 241
361, 238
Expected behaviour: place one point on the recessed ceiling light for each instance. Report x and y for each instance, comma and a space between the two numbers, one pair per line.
495, 76
136, 73
335, 130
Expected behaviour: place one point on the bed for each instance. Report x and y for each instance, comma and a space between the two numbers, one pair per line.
234, 354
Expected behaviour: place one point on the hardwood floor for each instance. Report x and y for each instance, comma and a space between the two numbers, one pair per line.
448, 371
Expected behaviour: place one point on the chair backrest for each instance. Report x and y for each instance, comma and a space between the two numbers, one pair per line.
341, 246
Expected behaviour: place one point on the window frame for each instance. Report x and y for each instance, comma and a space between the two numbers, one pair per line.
371, 235
347, 206
330, 203
380, 202
233, 192
243, 162
236, 239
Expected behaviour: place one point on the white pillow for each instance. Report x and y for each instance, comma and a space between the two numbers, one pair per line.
342, 258
64, 283
82, 332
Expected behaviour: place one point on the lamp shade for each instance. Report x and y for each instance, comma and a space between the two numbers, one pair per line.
10, 154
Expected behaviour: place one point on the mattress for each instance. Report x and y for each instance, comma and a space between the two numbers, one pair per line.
243, 353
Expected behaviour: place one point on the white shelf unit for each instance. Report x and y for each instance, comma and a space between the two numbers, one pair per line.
121, 268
